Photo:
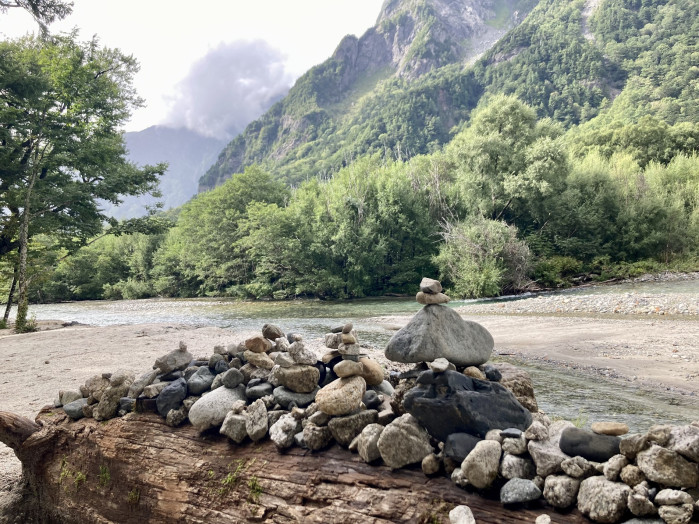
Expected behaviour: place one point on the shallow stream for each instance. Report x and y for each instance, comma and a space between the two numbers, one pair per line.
570, 395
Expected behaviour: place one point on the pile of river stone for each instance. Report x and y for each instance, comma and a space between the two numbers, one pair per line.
453, 413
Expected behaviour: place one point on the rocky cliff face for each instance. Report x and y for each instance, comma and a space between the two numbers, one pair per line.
427, 34
410, 39
414, 37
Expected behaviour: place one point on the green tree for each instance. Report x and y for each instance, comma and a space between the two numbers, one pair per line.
202, 251
61, 104
509, 165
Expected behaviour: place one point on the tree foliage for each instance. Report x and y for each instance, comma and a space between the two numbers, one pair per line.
61, 104
44, 12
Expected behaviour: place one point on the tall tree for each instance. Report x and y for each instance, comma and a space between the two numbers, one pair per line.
43, 11
61, 104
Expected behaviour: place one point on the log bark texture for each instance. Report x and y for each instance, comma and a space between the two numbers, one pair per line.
137, 469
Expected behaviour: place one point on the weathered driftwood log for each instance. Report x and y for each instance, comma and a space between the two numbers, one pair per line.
138, 469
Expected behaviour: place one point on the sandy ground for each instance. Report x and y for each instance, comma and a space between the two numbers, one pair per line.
655, 353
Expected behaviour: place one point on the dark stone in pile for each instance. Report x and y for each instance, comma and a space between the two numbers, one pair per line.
450, 402
221, 367
371, 399
459, 445
589, 445
492, 373
285, 397
146, 405
126, 404
174, 375
75, 409
259, 390
171, 397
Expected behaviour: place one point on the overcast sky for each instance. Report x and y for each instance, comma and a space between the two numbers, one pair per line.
212, 65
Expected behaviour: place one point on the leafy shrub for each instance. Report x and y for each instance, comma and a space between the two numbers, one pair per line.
482, 257
128, 289
557, 271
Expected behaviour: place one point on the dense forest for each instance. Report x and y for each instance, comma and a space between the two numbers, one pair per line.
567, 153
512, 201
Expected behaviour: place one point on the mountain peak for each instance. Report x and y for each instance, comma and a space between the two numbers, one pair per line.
428, 34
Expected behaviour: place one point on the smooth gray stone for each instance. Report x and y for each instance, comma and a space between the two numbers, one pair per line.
492, 373
259, 391
371, 399
284, 397
201, 381
589, 445
126, 404
211, 409
220, 367
232, 378
438, 331
385, 388
517, 491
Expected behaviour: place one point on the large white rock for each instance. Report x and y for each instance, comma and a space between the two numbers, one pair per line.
603, 500
685, 441
481, 465
404, 442
546, 454
283, 430
368, 442
668, 468
256, 420
341, 396
461, 515
211, 409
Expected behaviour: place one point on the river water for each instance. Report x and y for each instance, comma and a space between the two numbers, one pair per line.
560, 393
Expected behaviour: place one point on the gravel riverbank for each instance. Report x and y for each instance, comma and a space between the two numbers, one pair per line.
590, 301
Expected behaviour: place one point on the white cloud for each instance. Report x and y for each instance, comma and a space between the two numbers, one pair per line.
229, 87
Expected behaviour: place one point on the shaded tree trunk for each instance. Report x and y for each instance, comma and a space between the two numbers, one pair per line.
10, 296
23, 298
138, 469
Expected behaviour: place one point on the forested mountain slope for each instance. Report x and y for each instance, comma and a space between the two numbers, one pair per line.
402, 87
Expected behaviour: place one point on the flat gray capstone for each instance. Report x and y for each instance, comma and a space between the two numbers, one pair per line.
437, 331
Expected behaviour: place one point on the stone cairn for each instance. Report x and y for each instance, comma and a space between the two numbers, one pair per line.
453, 413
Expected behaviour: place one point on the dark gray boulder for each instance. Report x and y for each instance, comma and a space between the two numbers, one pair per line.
126, 404
171, 397
232, 378
439, 332
450, 402
459, 445
492, 373
259, 390
200, 381
285, 397
74, 409
591, 446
